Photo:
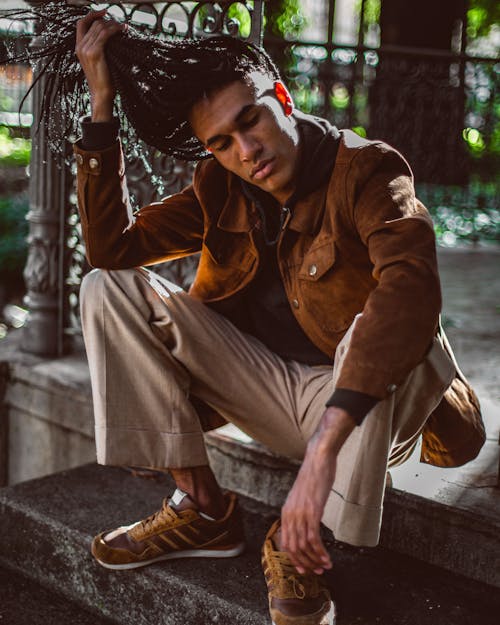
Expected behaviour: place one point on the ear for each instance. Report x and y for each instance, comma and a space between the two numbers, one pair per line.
284, 98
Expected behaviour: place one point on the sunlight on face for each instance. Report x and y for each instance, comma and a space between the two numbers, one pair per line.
245, 127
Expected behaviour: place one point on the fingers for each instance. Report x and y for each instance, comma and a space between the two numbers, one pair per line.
300, 538
98, 35
93, 32
94, 29
83, 25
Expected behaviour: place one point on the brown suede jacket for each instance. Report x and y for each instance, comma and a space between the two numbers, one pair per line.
360, 243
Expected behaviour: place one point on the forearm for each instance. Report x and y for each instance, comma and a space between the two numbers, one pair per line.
333, 430
301, 514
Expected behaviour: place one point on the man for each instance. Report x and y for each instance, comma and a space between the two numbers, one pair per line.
313, 248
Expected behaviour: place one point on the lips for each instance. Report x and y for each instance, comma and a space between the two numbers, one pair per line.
262, 169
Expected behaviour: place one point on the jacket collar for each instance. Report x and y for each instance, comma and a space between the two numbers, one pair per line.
235, 214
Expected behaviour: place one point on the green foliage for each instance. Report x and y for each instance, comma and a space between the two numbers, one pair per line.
372, 11
460, 214
285, 18
239, 13
339, 98
482, 15
13, 229
14, 151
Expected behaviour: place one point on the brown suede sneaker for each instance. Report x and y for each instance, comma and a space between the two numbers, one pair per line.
172, 533
294, 599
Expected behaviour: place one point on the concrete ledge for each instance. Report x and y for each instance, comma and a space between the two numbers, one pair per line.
46, 418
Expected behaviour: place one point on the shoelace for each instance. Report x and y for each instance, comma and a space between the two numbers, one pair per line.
162, 516
285, 573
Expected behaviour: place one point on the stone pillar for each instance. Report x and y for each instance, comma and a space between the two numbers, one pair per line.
43, 273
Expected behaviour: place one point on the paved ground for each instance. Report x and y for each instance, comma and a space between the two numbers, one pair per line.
375, 587
471, 317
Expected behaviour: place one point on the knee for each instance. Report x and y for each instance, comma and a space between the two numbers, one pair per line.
96, 283
92, 283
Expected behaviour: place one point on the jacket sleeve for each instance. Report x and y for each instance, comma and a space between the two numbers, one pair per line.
401, 314
117, 238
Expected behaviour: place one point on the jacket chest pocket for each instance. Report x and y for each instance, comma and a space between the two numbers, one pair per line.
325, 289
230, 249
226, 264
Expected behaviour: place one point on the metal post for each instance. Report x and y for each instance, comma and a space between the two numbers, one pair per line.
4, 426
42, 334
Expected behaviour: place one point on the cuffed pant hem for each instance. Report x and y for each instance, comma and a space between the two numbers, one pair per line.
352, 523
150, 449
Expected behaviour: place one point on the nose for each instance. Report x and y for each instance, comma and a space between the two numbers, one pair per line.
249, 147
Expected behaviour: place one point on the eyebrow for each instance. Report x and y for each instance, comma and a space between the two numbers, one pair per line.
244, 110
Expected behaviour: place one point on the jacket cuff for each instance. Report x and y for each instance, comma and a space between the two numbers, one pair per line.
357, 404
98, 135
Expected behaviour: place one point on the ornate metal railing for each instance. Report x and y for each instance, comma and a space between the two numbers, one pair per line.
56, 259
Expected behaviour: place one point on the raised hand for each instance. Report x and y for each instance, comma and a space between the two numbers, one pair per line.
92, 33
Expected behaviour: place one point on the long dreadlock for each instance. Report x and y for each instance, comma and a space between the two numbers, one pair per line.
157, 81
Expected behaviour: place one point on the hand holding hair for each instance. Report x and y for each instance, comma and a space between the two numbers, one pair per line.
83, 57
92, 33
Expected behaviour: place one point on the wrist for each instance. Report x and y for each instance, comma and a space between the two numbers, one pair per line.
102, 109
335, 426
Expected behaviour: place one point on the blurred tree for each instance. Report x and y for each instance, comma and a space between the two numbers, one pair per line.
482, 16
417, 101
285, 20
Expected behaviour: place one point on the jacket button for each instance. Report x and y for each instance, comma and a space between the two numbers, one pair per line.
79, 159
93, 163
295, 303
313, 270
391, 388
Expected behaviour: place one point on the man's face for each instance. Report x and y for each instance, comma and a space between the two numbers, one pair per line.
246, 129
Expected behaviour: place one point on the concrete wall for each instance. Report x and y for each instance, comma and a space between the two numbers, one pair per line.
46, 420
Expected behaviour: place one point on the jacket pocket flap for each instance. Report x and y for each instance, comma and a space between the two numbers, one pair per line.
317, 261
229, 250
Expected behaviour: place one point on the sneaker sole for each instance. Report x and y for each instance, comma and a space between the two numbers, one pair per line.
328, 619
189, 553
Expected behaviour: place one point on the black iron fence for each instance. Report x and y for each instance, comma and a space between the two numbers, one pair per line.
440, 108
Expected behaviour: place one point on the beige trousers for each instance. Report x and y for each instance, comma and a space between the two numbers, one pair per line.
152, 347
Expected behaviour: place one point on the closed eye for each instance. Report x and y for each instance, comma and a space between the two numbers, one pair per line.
251, 121
223, 145
244, 124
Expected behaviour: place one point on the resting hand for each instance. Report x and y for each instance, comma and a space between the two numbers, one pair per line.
92, 34
303, 509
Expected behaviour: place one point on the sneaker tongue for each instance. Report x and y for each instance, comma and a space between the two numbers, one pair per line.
181, 501
177, 497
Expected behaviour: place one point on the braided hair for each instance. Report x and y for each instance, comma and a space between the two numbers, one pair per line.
157, 81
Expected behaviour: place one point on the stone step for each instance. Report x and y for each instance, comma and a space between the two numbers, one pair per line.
25, 602
48, 523
446, 517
